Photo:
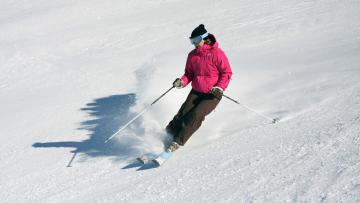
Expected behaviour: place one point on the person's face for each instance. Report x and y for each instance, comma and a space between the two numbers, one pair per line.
200, 44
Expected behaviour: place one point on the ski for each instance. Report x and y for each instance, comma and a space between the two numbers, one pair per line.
159, 159
149, 162
162, 158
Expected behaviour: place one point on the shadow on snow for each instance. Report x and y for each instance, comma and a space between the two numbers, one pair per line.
107, 115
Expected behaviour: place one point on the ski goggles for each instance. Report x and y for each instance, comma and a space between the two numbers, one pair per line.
198, 39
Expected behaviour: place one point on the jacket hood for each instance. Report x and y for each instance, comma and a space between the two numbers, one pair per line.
207, 46
213, 39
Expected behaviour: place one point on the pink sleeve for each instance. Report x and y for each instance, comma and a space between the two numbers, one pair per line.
225, 71
188, 75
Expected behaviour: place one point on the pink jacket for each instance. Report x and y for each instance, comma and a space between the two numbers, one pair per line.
207, 67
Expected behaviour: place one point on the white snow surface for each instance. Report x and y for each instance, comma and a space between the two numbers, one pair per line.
73, 72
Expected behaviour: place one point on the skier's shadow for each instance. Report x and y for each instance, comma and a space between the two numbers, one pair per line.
107, 114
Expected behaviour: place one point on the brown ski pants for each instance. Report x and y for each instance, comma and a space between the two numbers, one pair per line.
190, 116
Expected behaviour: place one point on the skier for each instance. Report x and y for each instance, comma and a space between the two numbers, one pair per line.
209, 71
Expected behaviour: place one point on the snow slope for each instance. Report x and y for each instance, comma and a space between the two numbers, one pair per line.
73, 72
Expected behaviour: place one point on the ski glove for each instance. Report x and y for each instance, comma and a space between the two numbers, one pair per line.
217, 92
178, 83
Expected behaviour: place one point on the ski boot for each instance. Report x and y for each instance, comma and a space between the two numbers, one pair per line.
173, 147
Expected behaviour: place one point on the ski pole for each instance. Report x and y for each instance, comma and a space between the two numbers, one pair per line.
273, 120
138, 115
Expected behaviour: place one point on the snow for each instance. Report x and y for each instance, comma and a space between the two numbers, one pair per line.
73, 72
